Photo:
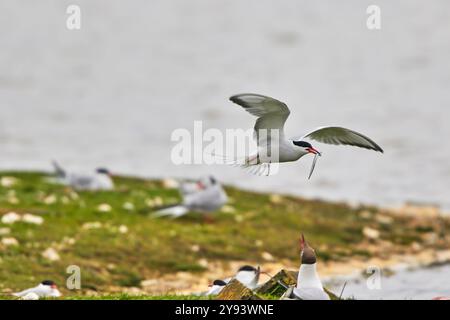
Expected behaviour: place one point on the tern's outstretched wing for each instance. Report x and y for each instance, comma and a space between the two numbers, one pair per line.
342, 136
271, 113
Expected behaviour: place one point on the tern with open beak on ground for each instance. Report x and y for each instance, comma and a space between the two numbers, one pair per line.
269, 134
101, 179
46, 288
309, 286
209, 197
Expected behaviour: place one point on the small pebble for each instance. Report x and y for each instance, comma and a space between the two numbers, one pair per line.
371, 233
33, 219
51, 254
104, 207
10, 242
10, 218
8, 182
123, 229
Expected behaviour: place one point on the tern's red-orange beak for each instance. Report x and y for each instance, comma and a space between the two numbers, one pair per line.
313, 151
200, 185
302, 242
53, 286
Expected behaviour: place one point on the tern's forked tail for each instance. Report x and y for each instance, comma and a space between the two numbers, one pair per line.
59, 171
250, 164
172, 211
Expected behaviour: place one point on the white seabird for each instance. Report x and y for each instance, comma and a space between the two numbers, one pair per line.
216, 287
210, 197
309, 286
269, 133
46, 288
247, 275
101, 179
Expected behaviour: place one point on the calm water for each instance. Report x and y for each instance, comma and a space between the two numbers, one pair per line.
112, 93
423, 284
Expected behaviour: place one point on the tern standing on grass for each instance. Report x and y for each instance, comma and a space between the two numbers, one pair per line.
269, 133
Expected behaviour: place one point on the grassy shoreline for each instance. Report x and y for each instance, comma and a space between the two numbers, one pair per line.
119, 247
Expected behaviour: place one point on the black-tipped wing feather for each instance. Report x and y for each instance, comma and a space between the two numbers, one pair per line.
342, 136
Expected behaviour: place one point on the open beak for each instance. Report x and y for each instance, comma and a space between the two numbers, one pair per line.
313, 151
302, 242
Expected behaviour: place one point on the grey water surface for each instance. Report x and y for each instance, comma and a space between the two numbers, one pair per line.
113, 92
418, 284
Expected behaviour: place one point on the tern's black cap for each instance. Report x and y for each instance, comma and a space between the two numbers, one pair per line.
102, 170
48, 283
247, 268
303, 144
219, 283
307, 253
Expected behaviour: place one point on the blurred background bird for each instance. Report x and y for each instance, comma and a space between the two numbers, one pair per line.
205, 196
101, 179
46, 288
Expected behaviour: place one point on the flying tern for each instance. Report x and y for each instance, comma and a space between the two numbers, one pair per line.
269, 133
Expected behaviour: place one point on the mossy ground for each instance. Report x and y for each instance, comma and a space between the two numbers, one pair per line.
110, 258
